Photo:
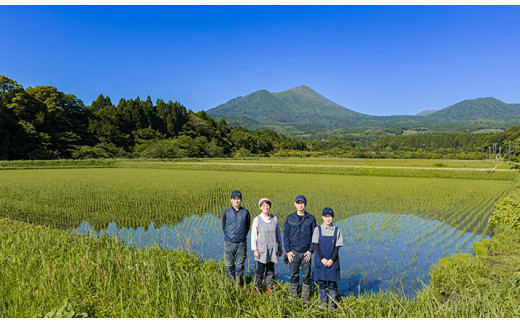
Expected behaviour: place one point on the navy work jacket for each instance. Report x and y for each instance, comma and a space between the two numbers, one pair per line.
297, 236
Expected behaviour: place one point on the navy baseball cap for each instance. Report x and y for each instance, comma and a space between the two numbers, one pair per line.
236, 193
327, 211
300, 198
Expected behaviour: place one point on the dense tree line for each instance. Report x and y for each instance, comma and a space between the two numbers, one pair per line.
460, 146
44, 123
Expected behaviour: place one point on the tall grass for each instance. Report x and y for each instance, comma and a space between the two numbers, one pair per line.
44, 269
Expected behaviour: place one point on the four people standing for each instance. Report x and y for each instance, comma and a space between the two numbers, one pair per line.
301, 238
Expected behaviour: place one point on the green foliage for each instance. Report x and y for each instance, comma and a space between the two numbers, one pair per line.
456, 273
456, 146
507, 211
44, 123
55, 274
480, 248
69, 309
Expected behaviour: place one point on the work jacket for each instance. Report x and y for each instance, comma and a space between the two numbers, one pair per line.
297, 236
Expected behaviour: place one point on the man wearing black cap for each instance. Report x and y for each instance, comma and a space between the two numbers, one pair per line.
297, 237
236, 223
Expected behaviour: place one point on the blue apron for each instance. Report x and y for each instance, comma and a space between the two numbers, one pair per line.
327, 245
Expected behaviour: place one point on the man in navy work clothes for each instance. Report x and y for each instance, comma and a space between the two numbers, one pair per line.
236, 223
297, 236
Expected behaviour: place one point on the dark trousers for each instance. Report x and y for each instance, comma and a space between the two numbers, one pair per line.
328, 291
235, 254
268, 268
294, 267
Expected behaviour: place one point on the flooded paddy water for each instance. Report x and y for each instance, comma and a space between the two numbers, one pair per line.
381, 250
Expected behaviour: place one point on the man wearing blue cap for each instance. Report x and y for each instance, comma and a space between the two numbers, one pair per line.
297, 237
236, 223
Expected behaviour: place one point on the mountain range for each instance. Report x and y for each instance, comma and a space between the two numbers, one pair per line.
301, 110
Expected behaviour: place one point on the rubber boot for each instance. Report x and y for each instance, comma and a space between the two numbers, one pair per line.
333, 296
240, 279
323, 299
293, 290
306, 294
258, 282
323, 295
230, 273
269, 279
239, 271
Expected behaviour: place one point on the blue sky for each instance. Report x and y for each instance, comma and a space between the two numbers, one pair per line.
378, 60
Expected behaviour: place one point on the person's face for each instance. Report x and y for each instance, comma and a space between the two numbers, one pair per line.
265, 207
236, 202
327, 219
300, 205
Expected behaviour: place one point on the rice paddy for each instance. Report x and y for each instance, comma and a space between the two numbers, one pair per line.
395, 228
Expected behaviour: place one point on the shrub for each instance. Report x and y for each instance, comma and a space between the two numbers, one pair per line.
456, 273
480, 248
507, 211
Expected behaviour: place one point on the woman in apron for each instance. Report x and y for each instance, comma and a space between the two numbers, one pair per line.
327, 240
266, 243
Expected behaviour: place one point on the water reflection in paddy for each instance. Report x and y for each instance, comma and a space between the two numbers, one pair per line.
381, 251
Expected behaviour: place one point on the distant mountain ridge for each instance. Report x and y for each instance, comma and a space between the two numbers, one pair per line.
300, 104
478, 109
302, 110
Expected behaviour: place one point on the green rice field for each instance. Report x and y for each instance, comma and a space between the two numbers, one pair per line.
397, 221
135, 197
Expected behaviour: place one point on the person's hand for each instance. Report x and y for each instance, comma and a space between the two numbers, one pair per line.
329, 262
257, 254
308, 255
290, 256
324, 262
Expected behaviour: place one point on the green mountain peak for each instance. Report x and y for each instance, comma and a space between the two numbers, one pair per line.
302, 111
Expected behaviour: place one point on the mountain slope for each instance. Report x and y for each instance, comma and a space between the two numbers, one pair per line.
260, 106
478, 109
299, 105
301, 111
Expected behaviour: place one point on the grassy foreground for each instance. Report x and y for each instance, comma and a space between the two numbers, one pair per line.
52, 272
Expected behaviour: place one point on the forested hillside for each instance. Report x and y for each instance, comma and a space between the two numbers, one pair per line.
462, 146
45, 123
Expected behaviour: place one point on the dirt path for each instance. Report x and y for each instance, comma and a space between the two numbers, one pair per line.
349, 166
